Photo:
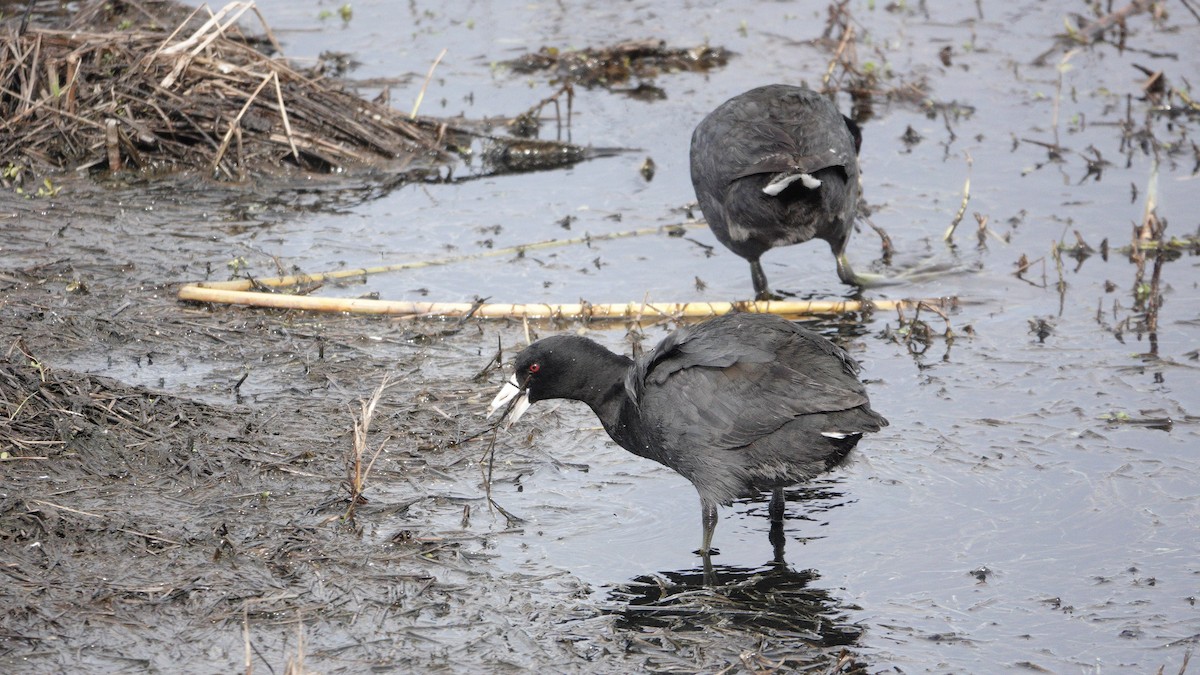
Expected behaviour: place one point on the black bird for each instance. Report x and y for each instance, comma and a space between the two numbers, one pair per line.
775, 166
738, 404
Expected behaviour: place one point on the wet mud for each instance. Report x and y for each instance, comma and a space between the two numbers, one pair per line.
192, 514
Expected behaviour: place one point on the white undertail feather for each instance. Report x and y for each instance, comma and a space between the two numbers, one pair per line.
780, 183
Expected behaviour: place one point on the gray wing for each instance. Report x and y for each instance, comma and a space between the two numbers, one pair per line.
789, 129
727, 393
782, 163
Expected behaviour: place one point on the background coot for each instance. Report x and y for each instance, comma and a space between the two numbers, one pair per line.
739, 404
775, 166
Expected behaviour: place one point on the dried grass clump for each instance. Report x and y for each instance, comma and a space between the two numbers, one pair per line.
608, 66
197, 97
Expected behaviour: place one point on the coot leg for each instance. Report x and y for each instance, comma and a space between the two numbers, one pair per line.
761, 292
776, 507
708, 519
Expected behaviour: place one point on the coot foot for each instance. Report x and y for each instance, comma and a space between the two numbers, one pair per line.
860, 279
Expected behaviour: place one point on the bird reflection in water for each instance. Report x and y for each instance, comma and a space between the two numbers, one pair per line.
773, 600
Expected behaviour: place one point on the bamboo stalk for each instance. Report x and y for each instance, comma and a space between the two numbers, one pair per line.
631, 310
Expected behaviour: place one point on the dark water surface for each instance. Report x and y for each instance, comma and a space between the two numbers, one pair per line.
1028, 507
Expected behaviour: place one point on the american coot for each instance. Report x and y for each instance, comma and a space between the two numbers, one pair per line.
775, 166
739, 404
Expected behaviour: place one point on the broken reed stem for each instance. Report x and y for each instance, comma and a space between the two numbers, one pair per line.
112, 144
1056, 255
1063, 66
236, 123
200, 39
425, 84
1149, 214
68, 509
296, 666
267, 29
962, 208
847, 34
302, 279
178, 29
357, 473
1154, 298
246, 639
38, 105
283, 114
89, 514
1089, 33
203, 37
588, 311
491, 462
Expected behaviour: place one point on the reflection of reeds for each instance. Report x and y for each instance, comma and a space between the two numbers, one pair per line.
1148, 241
915, 333
1147, 297
619, 63
1159, 246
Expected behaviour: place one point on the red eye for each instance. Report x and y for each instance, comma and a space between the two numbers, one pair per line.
534, 367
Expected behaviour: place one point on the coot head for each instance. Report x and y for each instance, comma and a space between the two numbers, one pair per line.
559, 366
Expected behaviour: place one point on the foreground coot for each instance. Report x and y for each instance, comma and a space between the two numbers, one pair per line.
739, 404
775, 166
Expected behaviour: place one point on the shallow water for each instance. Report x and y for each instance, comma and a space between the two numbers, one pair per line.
1002, 520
